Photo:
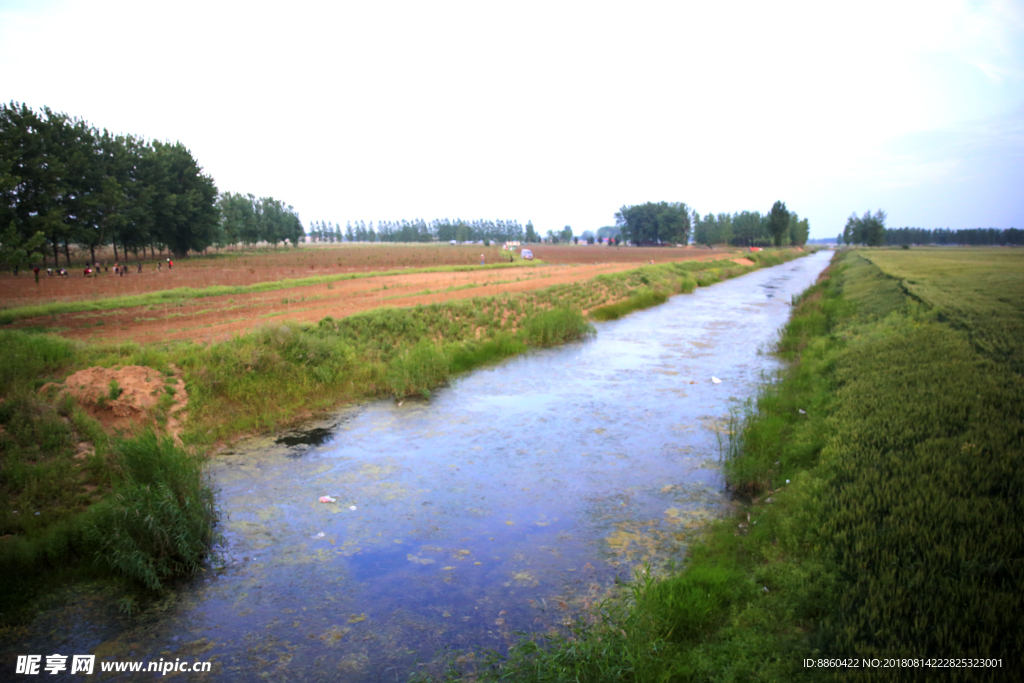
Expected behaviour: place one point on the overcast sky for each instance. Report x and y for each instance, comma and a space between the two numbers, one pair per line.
559, 112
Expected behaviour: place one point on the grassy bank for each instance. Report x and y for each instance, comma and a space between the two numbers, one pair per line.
883, 481
99, 501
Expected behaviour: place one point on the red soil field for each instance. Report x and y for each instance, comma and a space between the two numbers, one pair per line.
217, 318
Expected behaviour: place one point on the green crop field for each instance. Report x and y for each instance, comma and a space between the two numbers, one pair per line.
980, 291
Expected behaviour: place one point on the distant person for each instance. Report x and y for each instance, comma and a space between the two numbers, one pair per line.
159, 266
36, 271
87, 272
481, 259
63, 272
49, 272
140, 267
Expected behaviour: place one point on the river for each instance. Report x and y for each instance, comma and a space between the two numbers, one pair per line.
512, 501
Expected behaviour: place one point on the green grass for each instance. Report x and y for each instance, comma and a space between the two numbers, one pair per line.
639, 300
158, 524
153, 524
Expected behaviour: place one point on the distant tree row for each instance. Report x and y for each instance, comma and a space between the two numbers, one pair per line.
779, 227
76, 185
970, 236
246, 219
442, 230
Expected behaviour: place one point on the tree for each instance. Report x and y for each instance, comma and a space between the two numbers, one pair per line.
531, 234
778, 222
566, 234
874, 229
868, 229
182, 203
655, 223
747, 227
705, 230
17, 252
32, 178
799, 230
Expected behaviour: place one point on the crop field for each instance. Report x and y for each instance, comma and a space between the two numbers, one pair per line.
236, 268
215, 298
978, 290
596, 253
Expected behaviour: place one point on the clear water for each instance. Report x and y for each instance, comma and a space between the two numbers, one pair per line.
510, 502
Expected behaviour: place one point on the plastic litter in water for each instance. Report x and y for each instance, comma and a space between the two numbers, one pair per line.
352, 508
319, 535
715, 380
328, 499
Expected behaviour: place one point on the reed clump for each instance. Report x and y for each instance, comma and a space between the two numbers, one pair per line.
158, 523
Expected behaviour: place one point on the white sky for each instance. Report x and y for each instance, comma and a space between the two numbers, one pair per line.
559, 112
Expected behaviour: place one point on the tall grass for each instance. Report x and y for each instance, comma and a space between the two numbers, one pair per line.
158, 524
154, 524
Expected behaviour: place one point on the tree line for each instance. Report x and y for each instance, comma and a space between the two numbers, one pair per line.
72, 184
869, 230
969, 236
673, 223
419, 230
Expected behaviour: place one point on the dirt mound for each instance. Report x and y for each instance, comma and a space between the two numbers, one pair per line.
123, 399
743, 261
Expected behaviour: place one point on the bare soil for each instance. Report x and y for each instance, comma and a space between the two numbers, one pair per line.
221, 317
138, 402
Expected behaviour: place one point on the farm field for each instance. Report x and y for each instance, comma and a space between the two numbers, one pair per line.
594, 253
979, 290
345, 283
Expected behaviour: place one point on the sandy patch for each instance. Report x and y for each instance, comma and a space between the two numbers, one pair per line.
137, 404
743, 261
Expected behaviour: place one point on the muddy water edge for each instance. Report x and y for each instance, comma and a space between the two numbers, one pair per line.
512, 501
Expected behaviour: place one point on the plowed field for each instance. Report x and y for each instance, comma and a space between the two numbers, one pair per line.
220, 317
